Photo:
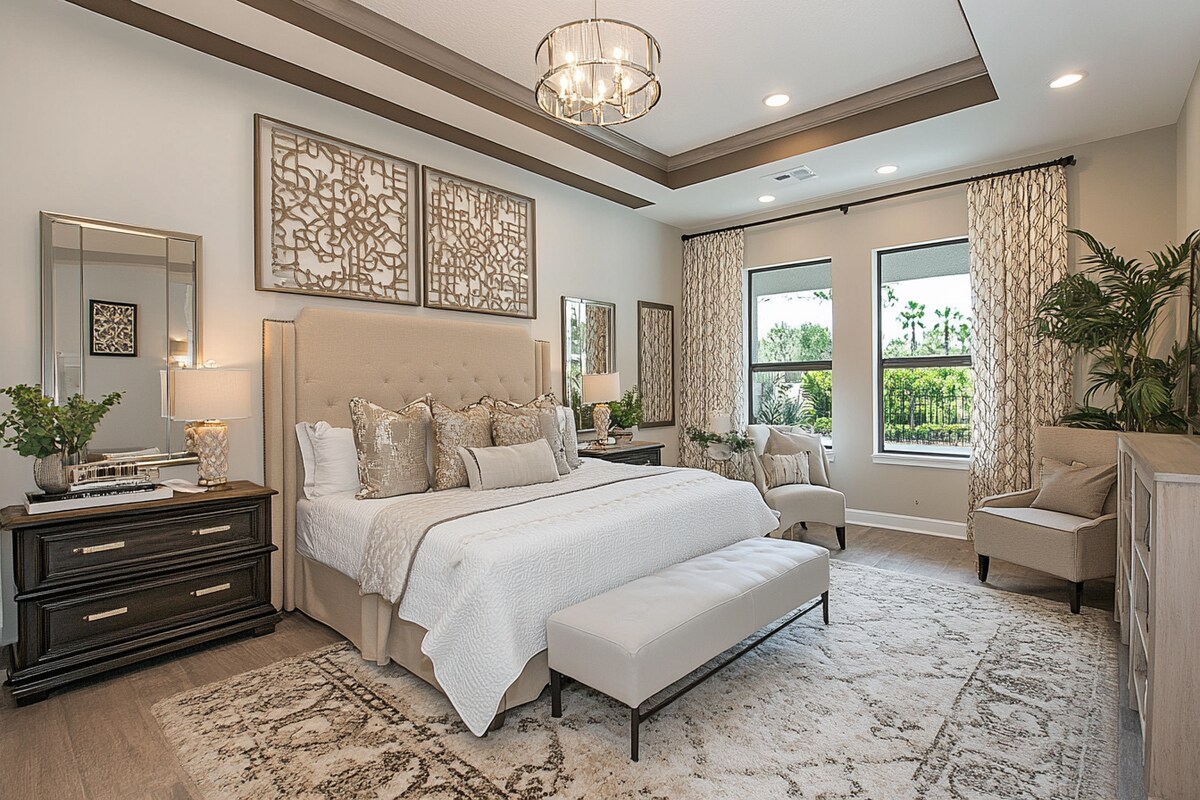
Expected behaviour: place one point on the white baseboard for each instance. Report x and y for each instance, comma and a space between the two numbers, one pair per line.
903, 522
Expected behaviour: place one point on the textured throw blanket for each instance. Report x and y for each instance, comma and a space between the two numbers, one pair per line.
484, 574
398, 531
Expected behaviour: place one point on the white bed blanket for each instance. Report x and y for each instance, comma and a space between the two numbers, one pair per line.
483, 585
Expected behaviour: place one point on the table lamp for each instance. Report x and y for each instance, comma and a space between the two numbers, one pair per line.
205, 398
601, 389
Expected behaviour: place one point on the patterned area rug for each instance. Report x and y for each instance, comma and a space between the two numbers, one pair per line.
918, 689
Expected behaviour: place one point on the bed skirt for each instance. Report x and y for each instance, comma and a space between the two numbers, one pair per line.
371, 624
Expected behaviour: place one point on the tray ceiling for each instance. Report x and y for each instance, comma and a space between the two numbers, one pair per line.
720, 57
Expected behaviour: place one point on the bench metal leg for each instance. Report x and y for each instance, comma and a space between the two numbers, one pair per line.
635, 720
825, 605
555, 693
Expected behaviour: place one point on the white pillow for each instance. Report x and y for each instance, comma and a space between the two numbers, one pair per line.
330, 460
504, 467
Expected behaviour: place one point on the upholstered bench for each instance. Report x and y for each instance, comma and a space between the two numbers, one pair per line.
634, 641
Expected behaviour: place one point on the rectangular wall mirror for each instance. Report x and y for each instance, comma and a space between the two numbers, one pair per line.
656, 363
588, 348
120, 305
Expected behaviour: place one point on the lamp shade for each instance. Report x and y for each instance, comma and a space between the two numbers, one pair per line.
603, 387
196, 394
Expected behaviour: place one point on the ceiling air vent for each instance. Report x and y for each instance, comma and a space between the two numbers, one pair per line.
801, 173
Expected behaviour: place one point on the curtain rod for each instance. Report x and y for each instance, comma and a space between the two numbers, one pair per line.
1065, 161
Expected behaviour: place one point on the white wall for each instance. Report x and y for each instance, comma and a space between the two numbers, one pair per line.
1122, 190
105, 121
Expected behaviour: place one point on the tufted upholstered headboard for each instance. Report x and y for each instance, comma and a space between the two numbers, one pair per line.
314, 365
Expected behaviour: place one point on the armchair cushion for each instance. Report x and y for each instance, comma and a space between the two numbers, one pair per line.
1081, 553
804, 502
1043, 518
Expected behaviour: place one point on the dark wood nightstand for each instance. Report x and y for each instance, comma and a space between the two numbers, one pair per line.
640, 453
100, 588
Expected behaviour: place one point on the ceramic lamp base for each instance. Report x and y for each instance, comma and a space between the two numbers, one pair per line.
602, 418
210, 441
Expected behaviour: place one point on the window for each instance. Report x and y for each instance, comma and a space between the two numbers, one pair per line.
791, 346
925, 377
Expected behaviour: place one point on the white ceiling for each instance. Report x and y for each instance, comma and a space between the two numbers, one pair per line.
1140, 57
720, 56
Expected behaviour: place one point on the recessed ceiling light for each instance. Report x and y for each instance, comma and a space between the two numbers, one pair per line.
886, 169
1070, 79
767, 198
776, 100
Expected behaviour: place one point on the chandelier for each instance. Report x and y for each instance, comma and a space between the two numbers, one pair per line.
597, 72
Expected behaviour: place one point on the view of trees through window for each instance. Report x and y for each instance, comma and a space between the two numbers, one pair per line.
791, 346
925, 343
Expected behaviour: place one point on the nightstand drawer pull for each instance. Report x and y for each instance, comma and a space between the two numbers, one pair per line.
220, 587
99, 548
214, 529
116, 612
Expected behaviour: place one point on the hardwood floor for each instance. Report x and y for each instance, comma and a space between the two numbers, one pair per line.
99, 741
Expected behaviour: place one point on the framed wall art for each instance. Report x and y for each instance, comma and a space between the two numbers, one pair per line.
656, 363
479, 247
112, 328
333, 218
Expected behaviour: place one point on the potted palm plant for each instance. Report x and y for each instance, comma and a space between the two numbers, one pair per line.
55, 435
1114, 312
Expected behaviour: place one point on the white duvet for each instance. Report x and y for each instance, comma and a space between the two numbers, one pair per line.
483, 585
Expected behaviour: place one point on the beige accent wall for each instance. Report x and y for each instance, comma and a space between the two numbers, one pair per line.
1188, 156
1122, 190
112, 123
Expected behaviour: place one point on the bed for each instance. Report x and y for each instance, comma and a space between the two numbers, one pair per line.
469, 617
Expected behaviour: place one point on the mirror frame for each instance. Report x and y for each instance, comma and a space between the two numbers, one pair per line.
47, 219
565, 336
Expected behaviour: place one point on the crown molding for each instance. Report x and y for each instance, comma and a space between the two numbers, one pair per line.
205, 41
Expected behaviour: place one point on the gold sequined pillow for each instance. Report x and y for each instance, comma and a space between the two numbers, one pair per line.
525, 424
391, 448
470, 427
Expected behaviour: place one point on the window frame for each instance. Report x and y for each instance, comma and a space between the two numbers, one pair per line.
883, 454
753, 367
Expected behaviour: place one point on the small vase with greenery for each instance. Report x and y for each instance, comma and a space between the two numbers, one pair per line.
1113, 312
626, 413
55, 435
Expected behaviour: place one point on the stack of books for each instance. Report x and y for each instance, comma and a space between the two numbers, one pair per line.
96, 493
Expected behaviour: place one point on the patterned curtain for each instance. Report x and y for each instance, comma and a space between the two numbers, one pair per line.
711, 342
1018, 230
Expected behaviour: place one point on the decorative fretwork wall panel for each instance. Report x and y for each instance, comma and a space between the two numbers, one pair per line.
479, 247
334, 218
656, 363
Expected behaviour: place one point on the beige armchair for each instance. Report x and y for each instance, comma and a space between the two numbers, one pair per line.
799, 503
1074, 548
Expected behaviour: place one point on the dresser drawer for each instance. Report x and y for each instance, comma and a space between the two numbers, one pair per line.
95, 550
107, 620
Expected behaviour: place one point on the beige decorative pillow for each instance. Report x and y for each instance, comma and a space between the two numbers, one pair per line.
570, 436
469, 427
780, 443
526, 424
514, 465
1077, 489
785, 470
566, 447
391, 448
